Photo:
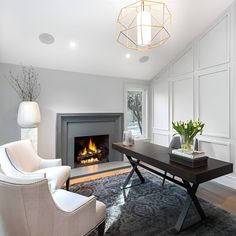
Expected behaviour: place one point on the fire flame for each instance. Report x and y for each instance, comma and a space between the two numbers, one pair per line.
91, 146
84, 152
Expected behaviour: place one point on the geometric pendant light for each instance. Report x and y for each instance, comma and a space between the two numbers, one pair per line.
144, 25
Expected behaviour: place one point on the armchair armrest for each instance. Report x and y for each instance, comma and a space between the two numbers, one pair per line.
50, 163
71, 202
76, 208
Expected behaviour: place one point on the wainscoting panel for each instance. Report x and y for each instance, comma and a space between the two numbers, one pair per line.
182, 99
215, 149
202, 84
184, 63
214, 103
214, 45
161, 139
161, 105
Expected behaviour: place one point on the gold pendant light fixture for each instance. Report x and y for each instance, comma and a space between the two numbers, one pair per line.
144, 25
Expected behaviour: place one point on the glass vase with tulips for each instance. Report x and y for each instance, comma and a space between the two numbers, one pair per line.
188, 131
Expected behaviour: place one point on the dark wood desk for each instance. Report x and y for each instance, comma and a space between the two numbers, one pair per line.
158, 157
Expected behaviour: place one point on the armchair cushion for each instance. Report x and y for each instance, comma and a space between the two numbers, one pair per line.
57, 174
49, 163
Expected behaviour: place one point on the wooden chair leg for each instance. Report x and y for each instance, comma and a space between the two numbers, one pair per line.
101, 229
68, 184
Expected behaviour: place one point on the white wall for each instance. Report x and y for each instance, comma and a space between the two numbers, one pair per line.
200, 83
62, 92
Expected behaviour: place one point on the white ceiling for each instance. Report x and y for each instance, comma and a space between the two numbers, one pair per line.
92, 25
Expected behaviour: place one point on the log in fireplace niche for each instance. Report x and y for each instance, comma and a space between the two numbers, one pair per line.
89, 150
86, 139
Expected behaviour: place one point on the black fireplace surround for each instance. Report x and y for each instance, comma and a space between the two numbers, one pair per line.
71, 126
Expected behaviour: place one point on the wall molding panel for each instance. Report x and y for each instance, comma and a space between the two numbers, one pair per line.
161, 139
202, 84
216, 149
159, 131
182, 99
161, 100
213, 45
185, 63
214, 103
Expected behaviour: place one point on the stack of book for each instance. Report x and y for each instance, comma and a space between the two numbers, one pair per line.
192, 159
189, 154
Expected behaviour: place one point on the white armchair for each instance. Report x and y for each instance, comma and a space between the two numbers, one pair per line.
19, 158
28, 208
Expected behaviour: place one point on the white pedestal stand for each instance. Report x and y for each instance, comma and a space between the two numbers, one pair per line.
32, 134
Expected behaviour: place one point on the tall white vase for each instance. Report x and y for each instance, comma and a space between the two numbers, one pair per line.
28, 115
28, 119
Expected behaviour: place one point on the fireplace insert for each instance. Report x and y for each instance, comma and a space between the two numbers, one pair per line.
89, 150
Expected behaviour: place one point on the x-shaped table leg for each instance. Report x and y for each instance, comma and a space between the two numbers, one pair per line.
134, 169
191, 190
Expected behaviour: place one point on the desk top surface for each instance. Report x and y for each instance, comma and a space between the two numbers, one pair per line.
158, 157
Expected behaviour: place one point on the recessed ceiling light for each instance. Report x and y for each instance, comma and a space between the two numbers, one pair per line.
128, 55
72, 44
144, 59
46, 38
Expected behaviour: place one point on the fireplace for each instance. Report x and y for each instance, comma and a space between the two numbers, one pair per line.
78, 135
89, 150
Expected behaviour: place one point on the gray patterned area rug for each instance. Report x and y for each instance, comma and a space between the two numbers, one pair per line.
150, 210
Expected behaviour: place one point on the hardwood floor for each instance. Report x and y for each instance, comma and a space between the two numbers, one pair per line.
217, 194
98, 176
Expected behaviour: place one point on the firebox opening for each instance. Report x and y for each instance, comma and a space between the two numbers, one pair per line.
89, 150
